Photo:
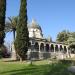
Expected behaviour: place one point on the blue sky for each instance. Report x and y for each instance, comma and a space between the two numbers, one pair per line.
52, 15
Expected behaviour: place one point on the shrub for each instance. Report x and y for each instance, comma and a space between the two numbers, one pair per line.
4, 52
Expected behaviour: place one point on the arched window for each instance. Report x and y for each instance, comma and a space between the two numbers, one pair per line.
52, 48
47, 47
61, 48
36, 46
42, 47
65, 49
56, 48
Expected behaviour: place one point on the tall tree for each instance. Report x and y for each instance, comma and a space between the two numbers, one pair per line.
73, 34
22, 37
11, 25
2, 20
63, 36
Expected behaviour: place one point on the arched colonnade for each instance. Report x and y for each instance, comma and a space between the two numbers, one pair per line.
48, 47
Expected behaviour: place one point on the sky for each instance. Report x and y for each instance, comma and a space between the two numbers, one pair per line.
52, 15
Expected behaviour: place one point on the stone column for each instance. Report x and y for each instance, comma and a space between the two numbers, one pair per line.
13, 53
67, 52
54, 48
49, 47
44, 47
39, 47
58, 48
39, 52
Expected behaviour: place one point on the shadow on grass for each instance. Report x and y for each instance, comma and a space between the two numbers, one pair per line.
10, 60
30, 70
54, 69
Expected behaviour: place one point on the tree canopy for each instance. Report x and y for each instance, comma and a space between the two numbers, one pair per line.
11, 24
22, 37
62, 36
66, 37
2, 20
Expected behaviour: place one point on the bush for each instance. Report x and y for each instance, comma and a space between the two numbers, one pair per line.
3, 52
0, 53
66, 61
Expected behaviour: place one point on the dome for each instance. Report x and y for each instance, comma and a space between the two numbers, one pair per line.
35, 25
35, 30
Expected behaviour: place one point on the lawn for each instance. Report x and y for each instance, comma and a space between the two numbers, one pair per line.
38, 68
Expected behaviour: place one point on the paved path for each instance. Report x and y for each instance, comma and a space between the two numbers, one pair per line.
71, 69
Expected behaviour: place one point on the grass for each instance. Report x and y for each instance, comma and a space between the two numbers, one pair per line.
38, 68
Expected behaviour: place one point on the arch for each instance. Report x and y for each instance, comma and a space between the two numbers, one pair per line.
65, 49
36, 46
42, 47
56, 48
52, 48
61, 48
47, 47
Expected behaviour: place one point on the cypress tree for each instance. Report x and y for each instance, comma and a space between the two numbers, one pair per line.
2, 20
22, 36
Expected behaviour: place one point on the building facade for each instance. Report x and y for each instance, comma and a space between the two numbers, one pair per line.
42, 48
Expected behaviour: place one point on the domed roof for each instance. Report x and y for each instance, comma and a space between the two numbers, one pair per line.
34, 25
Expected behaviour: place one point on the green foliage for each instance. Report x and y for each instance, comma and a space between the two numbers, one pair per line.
11, 24
68, 62
2, 36
71, 39
66, 37
2, 20
63, 36
22, 37
73, 34
3, 52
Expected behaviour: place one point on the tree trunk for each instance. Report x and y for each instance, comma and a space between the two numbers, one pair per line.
14, 34
2, 20
21, 59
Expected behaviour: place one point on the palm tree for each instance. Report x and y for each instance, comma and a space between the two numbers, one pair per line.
11, 25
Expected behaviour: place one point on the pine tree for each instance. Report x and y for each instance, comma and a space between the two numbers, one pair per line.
22, 37
2, 20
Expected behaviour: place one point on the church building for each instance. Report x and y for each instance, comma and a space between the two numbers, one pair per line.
41, 47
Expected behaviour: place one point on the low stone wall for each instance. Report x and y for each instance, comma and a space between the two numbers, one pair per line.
46, 55
33, 55
72, 55
36, 55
